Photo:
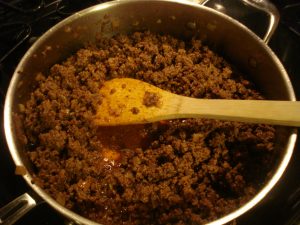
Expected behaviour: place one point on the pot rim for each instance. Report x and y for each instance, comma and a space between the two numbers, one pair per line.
8, 120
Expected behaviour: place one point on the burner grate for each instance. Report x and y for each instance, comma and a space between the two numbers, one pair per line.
19, 16
22, 7
291, 17
18, 32
16, 28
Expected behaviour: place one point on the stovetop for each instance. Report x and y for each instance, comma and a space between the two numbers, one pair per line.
23, 21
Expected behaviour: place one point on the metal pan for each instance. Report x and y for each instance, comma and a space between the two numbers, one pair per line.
179, 18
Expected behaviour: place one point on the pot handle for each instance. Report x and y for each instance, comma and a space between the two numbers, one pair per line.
14, 210
263, 5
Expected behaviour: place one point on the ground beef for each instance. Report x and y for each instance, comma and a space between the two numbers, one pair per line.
151, 99
187, 171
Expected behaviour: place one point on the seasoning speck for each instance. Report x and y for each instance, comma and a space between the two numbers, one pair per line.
211, 26
20, 170
151, 99
135, 110
112, 91
191, 25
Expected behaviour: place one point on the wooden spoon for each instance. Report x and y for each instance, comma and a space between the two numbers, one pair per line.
131, 101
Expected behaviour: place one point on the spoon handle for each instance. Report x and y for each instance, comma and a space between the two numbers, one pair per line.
285, 113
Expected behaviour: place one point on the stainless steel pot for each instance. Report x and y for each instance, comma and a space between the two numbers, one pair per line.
179, 18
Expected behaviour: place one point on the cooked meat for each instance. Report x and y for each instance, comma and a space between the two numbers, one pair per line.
187, 171
151, 99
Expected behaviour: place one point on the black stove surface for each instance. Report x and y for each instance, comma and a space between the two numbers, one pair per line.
23, 21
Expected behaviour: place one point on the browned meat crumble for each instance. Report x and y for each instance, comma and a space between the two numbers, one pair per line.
151, 99
174, 172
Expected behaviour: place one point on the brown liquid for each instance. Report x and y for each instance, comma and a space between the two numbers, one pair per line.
115, 138
120, 137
